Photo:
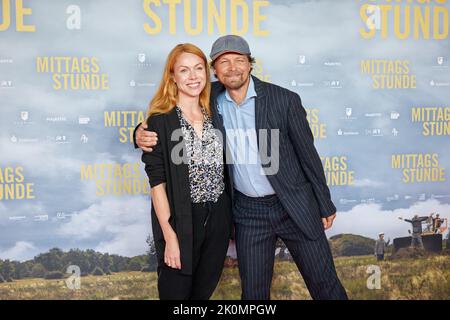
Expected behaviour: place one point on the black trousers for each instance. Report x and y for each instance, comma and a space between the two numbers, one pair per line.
211, 232
259, 222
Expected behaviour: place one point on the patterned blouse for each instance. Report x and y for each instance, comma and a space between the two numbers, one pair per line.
205, 155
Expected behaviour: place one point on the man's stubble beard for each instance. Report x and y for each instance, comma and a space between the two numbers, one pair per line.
235, 85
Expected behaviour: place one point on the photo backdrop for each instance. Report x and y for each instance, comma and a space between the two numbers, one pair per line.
76, 77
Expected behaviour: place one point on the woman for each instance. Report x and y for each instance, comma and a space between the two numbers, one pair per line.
191, 212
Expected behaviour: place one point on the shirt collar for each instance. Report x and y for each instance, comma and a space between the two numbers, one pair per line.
250, 92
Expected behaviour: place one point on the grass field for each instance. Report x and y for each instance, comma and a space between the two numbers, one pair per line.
424, 278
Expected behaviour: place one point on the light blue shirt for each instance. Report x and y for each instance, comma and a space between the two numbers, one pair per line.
240, 125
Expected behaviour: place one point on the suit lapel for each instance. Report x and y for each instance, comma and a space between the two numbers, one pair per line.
217, 119
216, 89
260, 108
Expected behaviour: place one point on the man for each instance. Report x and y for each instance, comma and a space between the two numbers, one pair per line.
416, 236
429, 228
283, 192
437, 223
447, 243
381, 246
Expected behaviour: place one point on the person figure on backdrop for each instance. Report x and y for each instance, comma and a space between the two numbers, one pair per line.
430, 224
191, 211
381, 246
416, 235
447, 242
437, 223
282, 191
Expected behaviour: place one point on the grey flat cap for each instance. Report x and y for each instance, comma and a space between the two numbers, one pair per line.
229, 43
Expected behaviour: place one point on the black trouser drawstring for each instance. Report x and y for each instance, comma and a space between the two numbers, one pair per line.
209, 206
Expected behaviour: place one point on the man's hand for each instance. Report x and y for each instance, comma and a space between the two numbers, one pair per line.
328, 221
145, 139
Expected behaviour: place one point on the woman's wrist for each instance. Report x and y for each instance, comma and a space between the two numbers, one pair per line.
168, 233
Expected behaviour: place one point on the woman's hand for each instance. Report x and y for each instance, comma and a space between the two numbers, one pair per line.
172, 252
162, 209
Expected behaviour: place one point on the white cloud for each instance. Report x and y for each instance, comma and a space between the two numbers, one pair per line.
125, 223
132, 157
128, 241
21, 251
26, 209
47, 159
367, 183
40, 159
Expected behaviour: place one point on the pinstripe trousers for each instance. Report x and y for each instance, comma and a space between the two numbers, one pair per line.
258, 224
